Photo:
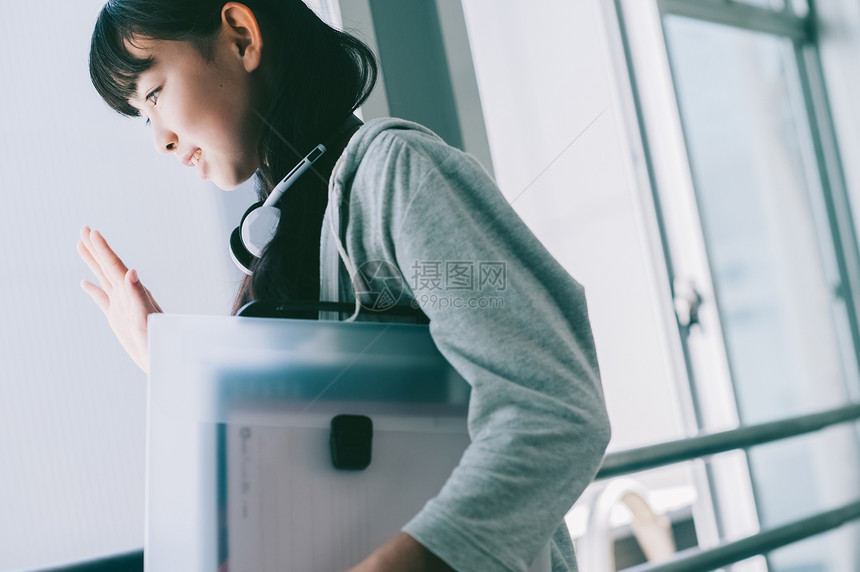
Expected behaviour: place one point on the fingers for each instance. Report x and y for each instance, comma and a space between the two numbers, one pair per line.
109, 262
139, 294
97, 294
117, 281
93, 265
95, 258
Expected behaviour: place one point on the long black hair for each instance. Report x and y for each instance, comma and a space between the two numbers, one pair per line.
320, 76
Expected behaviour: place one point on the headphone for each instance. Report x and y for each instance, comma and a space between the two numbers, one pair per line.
260, 222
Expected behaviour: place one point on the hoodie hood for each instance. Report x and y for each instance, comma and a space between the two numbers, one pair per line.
339, 185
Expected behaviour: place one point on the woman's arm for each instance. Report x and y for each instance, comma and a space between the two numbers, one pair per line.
513, 323
402, 552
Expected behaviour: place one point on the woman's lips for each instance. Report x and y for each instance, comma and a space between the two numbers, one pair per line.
195, 159
191, 159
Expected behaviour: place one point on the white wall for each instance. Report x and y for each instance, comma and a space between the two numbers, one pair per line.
72, 405
544, 75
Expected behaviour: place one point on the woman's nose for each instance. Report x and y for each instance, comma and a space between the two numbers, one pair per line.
165, 140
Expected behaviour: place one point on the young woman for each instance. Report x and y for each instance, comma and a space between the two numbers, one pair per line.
239, 89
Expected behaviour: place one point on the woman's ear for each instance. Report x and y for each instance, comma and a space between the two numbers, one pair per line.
240, 27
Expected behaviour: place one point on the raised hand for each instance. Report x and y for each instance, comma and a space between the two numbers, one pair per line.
124, 300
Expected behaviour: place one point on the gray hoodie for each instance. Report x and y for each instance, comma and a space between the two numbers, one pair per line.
502, 311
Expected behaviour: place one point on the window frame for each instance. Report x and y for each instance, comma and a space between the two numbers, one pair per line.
664, 177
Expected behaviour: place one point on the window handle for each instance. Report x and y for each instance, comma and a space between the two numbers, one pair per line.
687, 302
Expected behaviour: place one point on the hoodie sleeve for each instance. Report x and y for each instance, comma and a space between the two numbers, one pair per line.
513, 323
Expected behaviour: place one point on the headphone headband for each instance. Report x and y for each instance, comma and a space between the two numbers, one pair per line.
310, 159
260, 222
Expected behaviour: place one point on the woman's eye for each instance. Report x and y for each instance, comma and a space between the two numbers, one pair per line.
153, 96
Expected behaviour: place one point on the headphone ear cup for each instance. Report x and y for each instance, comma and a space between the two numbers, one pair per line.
240, 255
238, 252
259, 228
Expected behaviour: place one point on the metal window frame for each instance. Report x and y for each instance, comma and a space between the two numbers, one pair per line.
834, 189
743, 16
757, 544
653, 119
696, 560
802, 32
824, 161
669, 452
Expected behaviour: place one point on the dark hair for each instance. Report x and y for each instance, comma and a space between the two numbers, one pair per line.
320, 76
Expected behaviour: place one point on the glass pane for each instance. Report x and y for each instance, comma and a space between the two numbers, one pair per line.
741, 121
817, 554
800, 7
824, 474
772, 268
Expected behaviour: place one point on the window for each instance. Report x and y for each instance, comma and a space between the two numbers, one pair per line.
759, 243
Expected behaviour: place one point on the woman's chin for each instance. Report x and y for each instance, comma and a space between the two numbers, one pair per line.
220, 180
226, 179
224, 186
233, 181
227, 185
